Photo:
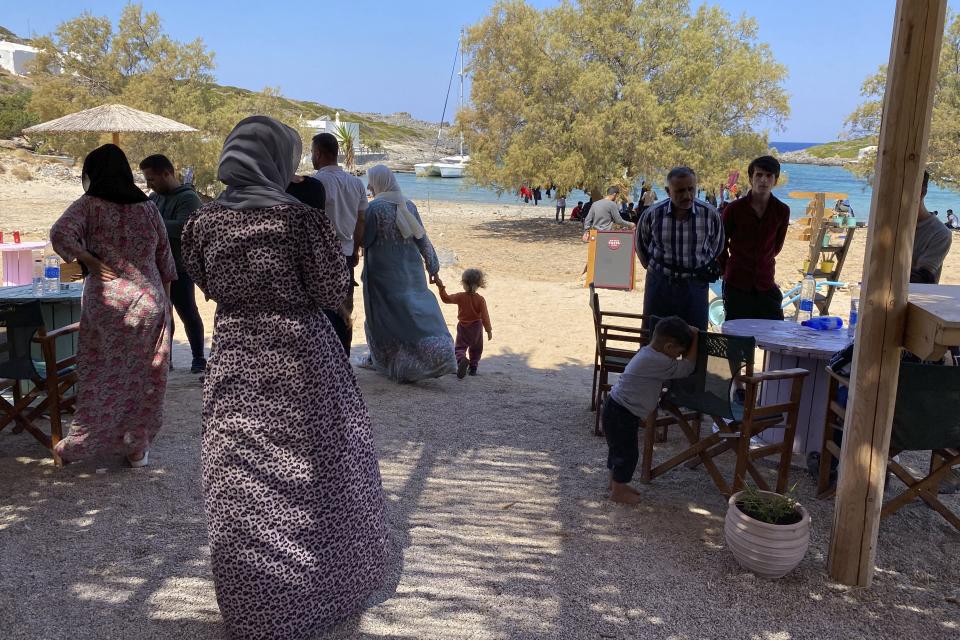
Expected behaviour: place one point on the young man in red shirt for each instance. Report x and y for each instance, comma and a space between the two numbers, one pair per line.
755, 227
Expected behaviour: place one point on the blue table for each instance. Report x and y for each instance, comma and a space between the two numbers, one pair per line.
59, 310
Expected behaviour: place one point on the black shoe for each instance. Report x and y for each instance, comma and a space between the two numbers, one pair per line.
462, 368
473, 371
199, 365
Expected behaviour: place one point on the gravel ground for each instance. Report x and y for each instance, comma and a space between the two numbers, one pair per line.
497, 505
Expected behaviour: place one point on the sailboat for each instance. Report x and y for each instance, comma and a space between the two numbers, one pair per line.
449, 166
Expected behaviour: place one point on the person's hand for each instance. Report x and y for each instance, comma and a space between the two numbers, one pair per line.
490, 335
435, 279
353, 260
585, 237
102, 272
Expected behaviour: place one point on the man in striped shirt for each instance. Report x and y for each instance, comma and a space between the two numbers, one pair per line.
677, 241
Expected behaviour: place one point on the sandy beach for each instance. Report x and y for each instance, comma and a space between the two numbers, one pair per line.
499, 519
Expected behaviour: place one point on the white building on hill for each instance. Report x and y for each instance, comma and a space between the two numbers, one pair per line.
323, 124
15, 57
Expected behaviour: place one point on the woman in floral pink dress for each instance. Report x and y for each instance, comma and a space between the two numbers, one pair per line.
117, 235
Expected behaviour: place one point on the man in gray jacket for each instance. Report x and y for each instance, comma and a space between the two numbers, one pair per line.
605, 213
176, 202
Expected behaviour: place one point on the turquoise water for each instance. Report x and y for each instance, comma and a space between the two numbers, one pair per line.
798, 177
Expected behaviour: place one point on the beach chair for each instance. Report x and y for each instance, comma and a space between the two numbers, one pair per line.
710, 391
615, 345
925, 418
21, 327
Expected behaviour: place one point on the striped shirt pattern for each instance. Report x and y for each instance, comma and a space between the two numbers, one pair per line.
676, 248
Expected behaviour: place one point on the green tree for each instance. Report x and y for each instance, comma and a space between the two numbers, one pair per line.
15, 115
943, 156
138, 65
608, 91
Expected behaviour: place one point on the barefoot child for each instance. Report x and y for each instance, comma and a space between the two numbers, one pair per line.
637, 394
473, 320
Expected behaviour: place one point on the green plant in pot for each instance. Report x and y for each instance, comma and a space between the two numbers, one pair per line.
768, 533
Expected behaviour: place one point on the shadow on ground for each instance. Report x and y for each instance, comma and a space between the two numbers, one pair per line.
498, 512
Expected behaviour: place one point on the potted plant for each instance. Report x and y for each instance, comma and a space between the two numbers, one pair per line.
826, 266
767, 532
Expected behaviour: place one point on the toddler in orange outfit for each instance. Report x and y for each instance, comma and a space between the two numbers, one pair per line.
472, 318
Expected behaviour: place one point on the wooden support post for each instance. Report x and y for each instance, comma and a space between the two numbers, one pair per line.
907, 106
116, 138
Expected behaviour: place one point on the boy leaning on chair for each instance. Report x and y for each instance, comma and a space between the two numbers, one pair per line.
637, 394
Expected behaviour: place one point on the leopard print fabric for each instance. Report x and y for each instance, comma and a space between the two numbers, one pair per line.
293, 496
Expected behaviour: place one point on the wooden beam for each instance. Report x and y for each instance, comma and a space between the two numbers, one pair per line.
902, 152
116, 138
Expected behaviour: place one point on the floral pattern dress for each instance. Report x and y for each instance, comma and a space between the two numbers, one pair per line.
124, 350
291, 480
405, 329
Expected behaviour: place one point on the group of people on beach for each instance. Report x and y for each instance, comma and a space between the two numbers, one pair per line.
290, 474
685, 244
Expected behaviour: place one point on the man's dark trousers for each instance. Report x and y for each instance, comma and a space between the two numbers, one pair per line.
183, 297
763, 305
341, 318
665, 296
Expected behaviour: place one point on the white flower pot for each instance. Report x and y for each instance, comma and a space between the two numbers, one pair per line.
768, 550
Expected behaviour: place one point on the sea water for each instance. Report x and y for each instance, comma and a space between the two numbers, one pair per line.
795, 177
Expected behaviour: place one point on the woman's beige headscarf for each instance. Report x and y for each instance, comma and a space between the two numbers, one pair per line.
384, 186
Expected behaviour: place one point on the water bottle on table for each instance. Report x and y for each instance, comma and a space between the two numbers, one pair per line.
824, 323
51, 275
37, 273
854, 309
808, 292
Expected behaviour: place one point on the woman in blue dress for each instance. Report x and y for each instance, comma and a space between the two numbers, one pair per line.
406, 332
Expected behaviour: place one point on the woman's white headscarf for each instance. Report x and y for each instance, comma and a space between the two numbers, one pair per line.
384, 186
259, 158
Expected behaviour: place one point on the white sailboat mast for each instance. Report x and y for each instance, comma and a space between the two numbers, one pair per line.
461, 89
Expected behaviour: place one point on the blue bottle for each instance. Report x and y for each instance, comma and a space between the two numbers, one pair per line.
823, 323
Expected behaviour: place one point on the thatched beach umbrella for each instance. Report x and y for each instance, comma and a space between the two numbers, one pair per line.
111, 118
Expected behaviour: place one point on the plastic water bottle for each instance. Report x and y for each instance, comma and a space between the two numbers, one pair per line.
824, 323
37, 273
51, 275
854, 309
808, 292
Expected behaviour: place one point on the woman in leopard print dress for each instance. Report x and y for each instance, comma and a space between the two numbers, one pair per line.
292, 485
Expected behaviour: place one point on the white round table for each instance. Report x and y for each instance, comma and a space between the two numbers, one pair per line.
788, 345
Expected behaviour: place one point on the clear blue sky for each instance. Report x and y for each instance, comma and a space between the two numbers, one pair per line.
386, 56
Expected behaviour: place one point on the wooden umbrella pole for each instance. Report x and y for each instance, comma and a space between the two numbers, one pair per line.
901, 155
116, 138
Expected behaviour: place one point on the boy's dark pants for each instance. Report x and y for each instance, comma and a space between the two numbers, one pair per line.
621, 427
470, 337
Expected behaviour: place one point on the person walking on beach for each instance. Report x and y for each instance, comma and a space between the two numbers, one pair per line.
472, 319
176, 203
755, 227
346, 200
678, 242
291, 482
117, 234
637, 394
605, 213
405, 329
537, 195
561, 208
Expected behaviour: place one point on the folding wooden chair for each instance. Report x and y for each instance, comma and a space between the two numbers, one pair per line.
926, 418
615, 345
21, 326
723, 360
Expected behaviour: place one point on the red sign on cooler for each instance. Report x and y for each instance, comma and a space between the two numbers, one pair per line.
613, 243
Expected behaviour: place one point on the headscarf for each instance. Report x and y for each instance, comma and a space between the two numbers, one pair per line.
385, 187
107, 175
259, 158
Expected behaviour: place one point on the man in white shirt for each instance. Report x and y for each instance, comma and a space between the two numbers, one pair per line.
345, 204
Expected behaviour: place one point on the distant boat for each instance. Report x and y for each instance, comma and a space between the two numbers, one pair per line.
450, 166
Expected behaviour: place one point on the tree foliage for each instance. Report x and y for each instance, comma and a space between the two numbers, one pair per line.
137, 64
608, 91
15, 114
943, 155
